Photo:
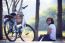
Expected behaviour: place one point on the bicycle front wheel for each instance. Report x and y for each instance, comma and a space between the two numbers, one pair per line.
27, 33
9, 30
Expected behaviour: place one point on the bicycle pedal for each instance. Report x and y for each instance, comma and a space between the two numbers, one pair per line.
17, 36
26, 33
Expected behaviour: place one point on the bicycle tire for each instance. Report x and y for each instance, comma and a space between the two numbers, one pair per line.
6, 34
27, 25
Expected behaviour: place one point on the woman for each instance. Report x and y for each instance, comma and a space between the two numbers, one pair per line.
51, 32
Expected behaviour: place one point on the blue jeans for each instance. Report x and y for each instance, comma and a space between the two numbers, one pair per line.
45, 38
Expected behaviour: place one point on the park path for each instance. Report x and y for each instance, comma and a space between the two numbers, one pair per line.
19, 41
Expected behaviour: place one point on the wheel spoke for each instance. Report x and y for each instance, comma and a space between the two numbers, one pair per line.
10, 34
27, 34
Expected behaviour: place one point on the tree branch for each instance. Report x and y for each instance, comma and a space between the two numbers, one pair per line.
21, 5
7, 6
17, 3
11, 3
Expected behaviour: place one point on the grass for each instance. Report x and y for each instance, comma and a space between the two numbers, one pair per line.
45, 32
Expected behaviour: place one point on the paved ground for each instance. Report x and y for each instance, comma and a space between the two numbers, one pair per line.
19, 41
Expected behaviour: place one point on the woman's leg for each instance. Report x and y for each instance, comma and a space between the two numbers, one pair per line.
41, 37
46, 38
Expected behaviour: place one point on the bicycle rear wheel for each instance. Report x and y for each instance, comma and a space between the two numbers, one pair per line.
27, 33
9, 31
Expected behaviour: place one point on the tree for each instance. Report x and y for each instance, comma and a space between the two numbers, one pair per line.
59, 19
37, 19
13, 5
1, 36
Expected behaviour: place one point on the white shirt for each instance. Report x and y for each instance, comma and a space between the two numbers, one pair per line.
53, 31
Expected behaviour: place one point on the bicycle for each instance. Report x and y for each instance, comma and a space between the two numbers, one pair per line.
13, 33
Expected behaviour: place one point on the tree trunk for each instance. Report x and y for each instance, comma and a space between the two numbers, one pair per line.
59, 19
37, 19
1, 20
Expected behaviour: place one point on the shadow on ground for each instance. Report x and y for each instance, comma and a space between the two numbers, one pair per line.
19, 41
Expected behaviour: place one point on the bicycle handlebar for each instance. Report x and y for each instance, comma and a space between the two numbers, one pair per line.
8, 16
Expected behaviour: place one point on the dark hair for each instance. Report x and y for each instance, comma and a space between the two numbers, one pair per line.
52, 21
